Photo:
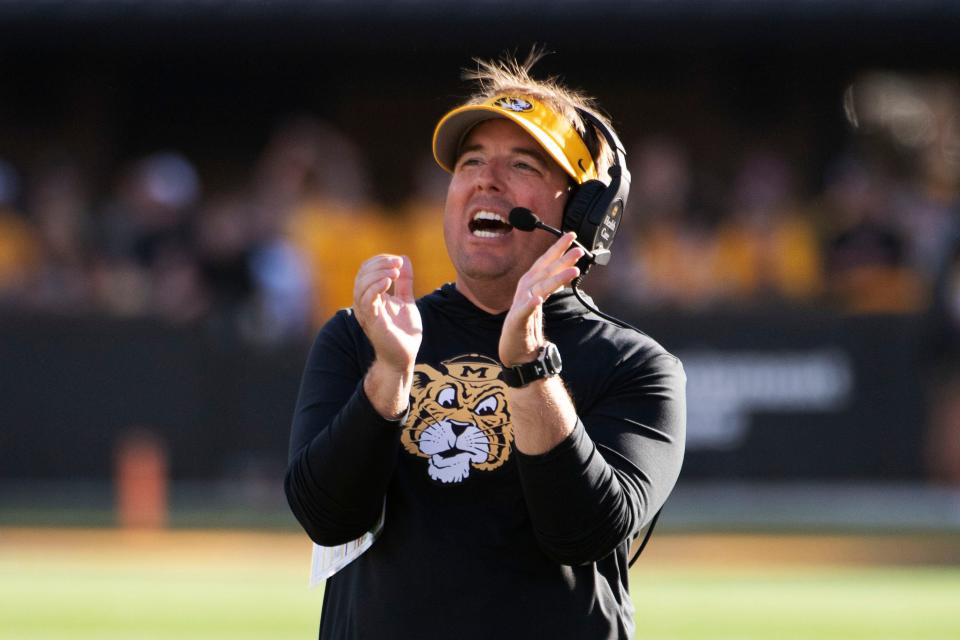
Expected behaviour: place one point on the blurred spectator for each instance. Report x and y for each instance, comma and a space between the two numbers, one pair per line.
767, 248
929, 204
145, 231
307, 158
666, 255
337, 239
59, 205
19, 250
316, 174
283, 296
222, 241
866, 255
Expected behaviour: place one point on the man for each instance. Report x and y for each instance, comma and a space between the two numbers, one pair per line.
508, 505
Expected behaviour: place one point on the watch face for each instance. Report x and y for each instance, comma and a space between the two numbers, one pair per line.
551, 358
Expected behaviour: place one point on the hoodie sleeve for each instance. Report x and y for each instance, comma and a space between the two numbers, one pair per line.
342, 452
598, 488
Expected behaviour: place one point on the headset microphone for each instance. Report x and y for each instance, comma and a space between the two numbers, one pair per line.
523, 219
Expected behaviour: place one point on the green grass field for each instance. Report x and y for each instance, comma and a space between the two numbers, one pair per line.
201, 585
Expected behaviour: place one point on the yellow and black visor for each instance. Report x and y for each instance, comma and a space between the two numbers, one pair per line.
551, 130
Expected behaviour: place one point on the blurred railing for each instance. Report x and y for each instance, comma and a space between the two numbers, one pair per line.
780, 397
800, 419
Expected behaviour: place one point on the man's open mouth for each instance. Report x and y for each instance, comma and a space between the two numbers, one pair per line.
486, 224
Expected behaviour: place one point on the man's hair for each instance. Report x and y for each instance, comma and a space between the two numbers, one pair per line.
508, 76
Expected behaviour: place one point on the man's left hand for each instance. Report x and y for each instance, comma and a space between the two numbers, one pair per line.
522, 334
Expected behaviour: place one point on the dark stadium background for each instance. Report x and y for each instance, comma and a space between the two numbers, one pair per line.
113, 81
146, 394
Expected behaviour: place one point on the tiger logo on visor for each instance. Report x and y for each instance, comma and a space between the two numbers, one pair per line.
514, 104
458, 419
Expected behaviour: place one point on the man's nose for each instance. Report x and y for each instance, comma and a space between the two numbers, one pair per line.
489, 178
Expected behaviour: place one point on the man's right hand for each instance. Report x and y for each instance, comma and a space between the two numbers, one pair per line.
384, 305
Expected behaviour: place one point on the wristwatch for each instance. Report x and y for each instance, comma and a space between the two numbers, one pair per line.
547, 364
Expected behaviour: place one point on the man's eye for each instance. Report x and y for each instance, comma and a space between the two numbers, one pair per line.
525, 166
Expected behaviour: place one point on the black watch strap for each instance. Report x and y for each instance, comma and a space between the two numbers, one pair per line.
547, 364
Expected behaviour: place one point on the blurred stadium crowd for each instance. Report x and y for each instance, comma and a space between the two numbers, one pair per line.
275, 255
270, 258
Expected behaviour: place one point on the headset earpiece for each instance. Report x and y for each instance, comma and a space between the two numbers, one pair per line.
594, 208
583, 200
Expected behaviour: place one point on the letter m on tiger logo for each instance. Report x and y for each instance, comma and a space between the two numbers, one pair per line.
459, 420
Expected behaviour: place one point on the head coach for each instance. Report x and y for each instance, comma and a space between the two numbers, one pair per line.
497, 444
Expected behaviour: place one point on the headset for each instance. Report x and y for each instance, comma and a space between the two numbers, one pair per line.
595, 209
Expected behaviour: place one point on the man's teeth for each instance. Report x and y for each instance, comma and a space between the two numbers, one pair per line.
488, 215
489, 231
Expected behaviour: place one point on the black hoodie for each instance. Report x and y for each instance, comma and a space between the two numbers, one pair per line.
479, 539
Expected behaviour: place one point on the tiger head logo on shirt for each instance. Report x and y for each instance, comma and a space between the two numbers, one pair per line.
459, 418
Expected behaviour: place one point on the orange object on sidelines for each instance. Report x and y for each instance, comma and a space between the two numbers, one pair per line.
142, 480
